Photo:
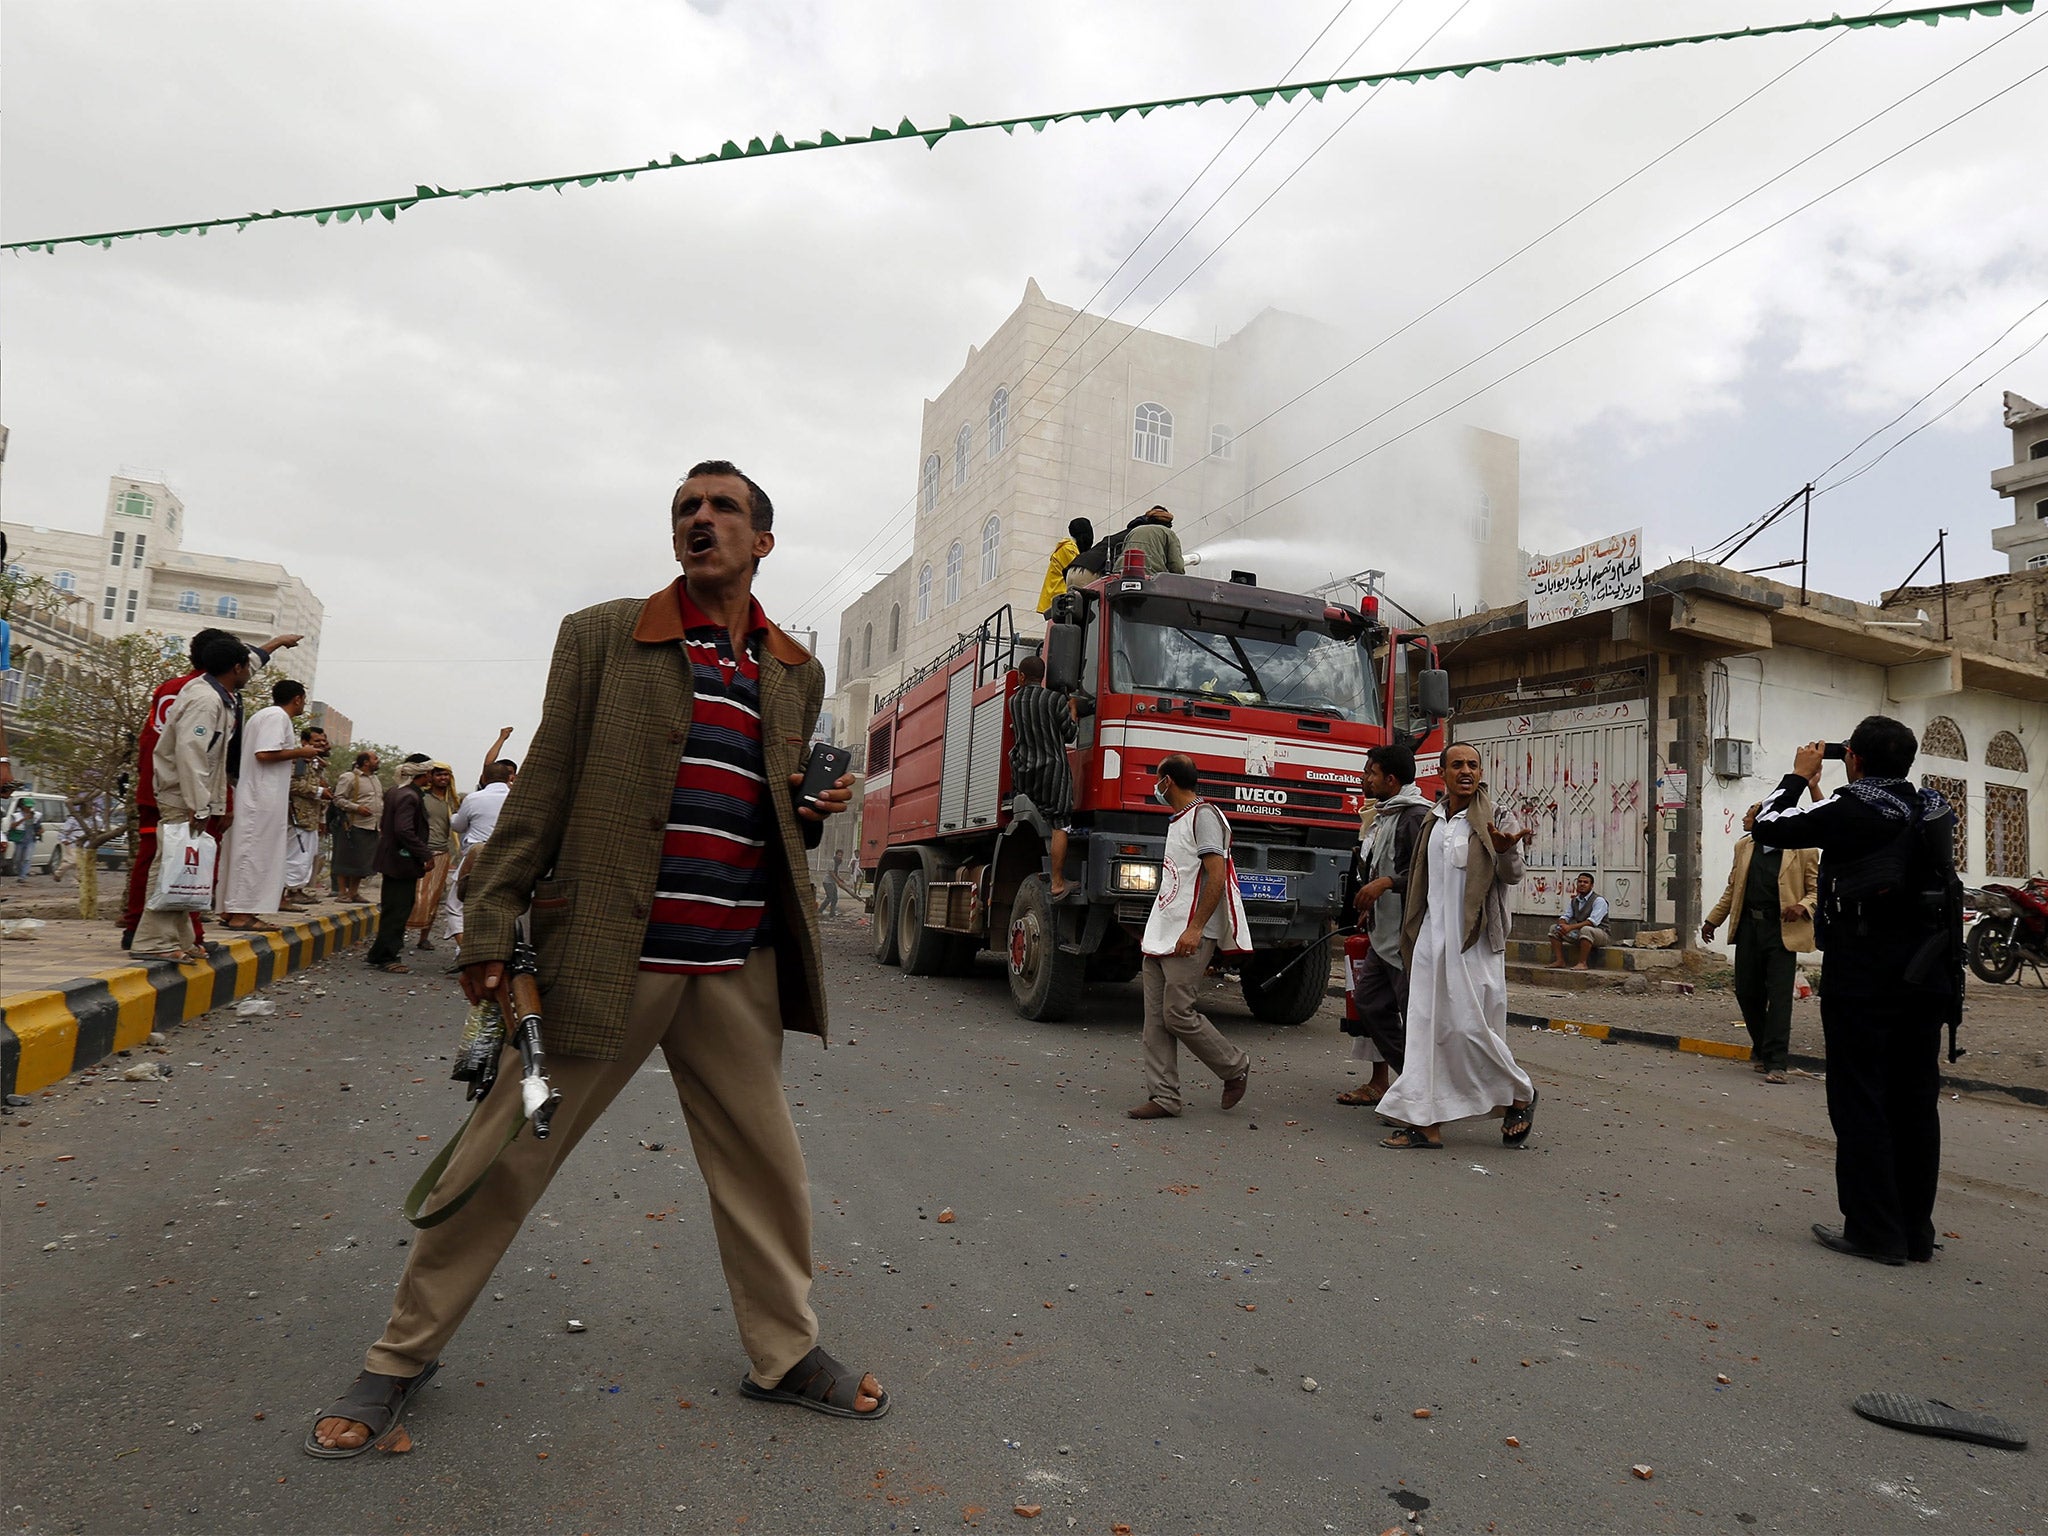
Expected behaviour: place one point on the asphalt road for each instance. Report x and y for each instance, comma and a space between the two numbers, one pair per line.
1116, 1327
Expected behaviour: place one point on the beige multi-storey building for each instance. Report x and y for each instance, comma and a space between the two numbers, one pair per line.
135, 574
1062, 414
2024, 541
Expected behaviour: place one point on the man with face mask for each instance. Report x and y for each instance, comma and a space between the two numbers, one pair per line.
1197, 912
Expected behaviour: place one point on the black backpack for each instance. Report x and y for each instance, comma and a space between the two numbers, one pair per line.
1907, 896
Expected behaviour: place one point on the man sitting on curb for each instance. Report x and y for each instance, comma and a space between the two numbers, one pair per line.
1584, 924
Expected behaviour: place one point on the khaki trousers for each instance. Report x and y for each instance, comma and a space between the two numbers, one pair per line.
722, 1036
1171, 1015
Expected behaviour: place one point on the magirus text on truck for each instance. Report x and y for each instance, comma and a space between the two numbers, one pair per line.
1275, 695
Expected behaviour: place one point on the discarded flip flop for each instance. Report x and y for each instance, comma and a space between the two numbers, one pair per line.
1931, 1416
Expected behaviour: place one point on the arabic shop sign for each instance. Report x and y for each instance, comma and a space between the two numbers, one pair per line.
1604, 574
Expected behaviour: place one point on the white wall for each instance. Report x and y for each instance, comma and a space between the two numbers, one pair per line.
1791, 696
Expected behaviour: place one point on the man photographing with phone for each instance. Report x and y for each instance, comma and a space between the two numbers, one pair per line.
1889, 924
656, 833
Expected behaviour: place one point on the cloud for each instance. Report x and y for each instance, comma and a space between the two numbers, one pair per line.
461, 425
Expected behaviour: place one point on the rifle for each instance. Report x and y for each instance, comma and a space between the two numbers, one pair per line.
484, 1036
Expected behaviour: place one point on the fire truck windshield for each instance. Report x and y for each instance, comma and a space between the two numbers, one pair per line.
1163, 647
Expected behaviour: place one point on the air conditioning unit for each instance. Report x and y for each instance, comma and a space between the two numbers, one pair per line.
1731, 757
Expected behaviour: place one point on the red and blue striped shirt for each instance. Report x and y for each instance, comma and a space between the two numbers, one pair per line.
711, 898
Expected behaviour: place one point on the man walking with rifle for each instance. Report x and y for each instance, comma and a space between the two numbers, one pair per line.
1890, 930
655, 832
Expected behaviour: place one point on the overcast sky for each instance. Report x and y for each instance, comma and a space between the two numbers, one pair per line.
460, 426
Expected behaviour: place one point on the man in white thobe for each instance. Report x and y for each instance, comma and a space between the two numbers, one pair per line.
1454, 933
254, 878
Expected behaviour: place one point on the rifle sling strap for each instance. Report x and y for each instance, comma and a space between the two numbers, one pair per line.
423, 1187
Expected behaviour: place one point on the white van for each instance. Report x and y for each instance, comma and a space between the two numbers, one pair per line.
54, 811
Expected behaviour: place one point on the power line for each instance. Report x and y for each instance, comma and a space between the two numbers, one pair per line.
1596, 287
1616, 315
1373, 95
1507, 260
892, 523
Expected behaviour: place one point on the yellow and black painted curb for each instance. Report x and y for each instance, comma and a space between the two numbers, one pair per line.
1729, 1050
47, 1034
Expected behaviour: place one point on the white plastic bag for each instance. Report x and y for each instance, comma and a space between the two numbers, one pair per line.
184, 869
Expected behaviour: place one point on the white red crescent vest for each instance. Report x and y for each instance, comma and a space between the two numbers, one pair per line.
1179, 877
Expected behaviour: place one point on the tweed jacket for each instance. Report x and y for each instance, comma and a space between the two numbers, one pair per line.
1798, 886
1487, 877
580, 834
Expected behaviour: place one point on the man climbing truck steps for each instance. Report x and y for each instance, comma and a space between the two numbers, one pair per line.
1275, 696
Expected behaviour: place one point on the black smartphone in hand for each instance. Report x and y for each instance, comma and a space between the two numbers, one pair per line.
1833, 751
826, 767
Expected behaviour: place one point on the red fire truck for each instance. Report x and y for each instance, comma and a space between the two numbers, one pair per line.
1274, 695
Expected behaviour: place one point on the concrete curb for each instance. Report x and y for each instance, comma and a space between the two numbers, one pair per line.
47, 1034
1730, 1051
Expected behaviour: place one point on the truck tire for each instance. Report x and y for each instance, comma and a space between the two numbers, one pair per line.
1045, 981
888, 896
1289, 998
924, 951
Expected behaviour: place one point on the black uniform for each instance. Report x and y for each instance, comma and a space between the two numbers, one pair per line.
1883, 1032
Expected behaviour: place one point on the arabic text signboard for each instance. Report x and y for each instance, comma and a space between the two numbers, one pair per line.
1604, 574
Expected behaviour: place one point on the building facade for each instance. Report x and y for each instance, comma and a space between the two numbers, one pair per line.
1634, 739
2024, 482
135, 574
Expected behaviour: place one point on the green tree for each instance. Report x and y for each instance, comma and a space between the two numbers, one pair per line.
81, 731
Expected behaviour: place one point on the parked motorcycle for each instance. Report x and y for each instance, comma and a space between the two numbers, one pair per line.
2013, 930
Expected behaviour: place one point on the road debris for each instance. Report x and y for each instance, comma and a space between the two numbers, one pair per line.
1642, 1470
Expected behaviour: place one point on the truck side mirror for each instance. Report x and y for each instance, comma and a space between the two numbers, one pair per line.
1063, 657
1433, 693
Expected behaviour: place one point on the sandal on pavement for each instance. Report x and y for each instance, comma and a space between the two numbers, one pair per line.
819, 1383
1363, 1098
395, 967
1524, 1117
376, 1402
254, 925
160, 954
1931, 1416
1408, 1139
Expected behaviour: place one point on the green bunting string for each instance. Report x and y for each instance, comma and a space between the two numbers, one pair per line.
389, 208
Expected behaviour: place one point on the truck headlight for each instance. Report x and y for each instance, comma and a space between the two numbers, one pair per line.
1142, 878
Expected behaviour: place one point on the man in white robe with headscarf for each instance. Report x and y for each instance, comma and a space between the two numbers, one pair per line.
253, 864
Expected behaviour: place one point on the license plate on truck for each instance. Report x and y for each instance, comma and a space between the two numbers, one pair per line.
1262, 887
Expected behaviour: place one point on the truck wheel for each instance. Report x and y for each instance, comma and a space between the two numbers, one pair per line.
888, 896
1045, 981
1278, 991
925, 951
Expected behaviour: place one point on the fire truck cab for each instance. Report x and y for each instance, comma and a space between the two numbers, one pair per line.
1276, 697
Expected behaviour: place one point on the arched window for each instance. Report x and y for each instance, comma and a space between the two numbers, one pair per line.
845, 657
1482, 518
955, 558
2007, 846
1956, 792
66, 582
928, 486
1222, 443
963, 450
228, 607
1152, 434
1944, 738
924, 591
134, 504
2005, 750
998, 421
188, 602
991, 548
867, 646
895, 627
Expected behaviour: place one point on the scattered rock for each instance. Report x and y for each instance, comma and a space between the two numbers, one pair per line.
255, 1008
1513, 1442
1723, 1380
1028, 1511
144, 1072
946, 1216
1642, 1470
1425, 1413
51, 1247
576, 1325
1324, 1286
1066, 1450
1308, 1384
157, 1037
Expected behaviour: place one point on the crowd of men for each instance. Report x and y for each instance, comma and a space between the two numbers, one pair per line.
260, 788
